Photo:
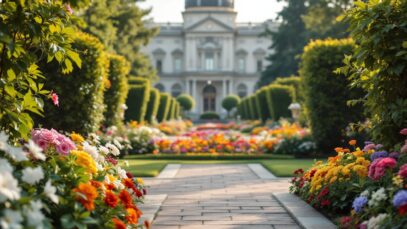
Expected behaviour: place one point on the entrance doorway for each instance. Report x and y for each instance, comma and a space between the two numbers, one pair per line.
209, 98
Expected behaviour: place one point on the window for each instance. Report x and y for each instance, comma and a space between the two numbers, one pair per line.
159, 66
209, 62
176, 90
177, 65
241, 64
242, 90
259, 66
160, 87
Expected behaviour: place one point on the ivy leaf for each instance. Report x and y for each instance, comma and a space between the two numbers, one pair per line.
405, 44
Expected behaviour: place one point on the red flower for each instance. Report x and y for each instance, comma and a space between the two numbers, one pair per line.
129, 175
118, 224
298, 171
111, 199
403, 209
325, 203
312, 173
125, 198
138, 192
128, 183
144, 191
55, 99
146, 224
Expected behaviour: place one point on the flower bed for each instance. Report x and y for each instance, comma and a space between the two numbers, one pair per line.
55, 181
367, 186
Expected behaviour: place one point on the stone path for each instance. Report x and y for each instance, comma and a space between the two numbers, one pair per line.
219, 196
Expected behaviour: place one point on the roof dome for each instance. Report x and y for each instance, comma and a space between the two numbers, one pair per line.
209, 3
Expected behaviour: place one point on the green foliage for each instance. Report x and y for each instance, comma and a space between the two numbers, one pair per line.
138, 81
379, 65
327, 93
186, 101
120, 25
153, 104
279, 97
294, 81
171, 112
255, 107
137, 101
287, 42
80, 92
30, 32
251, 108
261, 96
164, 108
230, 102
209, 116
115, 95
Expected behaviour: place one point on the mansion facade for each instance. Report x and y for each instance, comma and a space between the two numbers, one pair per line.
209, 55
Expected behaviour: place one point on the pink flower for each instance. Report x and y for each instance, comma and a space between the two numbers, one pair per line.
69, 8
378, 167
55, 99
403, 171
51, 138
403, 131
404, 148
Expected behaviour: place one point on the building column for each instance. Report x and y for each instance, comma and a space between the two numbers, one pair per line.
187, 90
230, 87
224, 88
194, 93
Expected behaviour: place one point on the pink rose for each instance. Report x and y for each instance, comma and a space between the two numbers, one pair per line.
378, 167
404, 148
403, 171
403, 131
55, 99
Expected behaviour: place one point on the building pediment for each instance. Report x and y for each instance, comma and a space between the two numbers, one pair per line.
209, 24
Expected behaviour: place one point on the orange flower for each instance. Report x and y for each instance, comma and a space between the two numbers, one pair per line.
96, 184
109, 186
86, 194
352, 142
125, 198
132, 216
128, 183
118, 224
338, 149
111, 199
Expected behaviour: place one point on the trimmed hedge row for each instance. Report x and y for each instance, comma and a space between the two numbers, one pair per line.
137, 102
152, 106
327, 93
115, 96
80, 92
163, 109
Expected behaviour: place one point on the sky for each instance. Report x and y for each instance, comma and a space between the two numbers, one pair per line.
248, 10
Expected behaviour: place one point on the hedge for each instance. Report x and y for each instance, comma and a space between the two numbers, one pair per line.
186, 101
163, 109
251, 108
138, 81
246, 109
137, 102
327, 93
80, 92
256, 107
171, 112
295, 82
115, 95
261, 96
279, 97
153, 105
209, 116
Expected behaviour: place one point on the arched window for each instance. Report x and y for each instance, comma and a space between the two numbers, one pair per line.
242, 90
176, 90
209, 97
160, 87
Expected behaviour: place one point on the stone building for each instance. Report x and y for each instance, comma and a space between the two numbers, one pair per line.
209, 55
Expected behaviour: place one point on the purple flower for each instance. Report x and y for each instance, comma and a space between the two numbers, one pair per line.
378, 146
379, 154
369, 146
400, 198
359, 203
394, 155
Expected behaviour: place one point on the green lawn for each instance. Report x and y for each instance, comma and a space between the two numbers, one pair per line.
147, 166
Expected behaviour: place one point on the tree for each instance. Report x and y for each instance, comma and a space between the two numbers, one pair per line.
121, 26
31, 31
230, 102
186, 102
287, 42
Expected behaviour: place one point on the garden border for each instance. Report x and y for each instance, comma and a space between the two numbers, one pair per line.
306, 216
170, 171
151, 206
261, 172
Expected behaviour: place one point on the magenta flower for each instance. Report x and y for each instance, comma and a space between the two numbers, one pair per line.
55, 98
69, 8
403, 131
403, 171
378, 167
51, 138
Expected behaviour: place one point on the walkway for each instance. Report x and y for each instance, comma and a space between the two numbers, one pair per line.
220, 196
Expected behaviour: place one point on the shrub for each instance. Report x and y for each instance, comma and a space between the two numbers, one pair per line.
138, 81
80, 92
137, 102
164, 107
186, 101
246, 108
230, 102
327, 93
115, 96
209, 116
379, 65
153, 105
279, 97
253, 107
171, 112
261, 96
295, 82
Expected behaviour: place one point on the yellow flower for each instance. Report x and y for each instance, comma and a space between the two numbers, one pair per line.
358, 153
398, 181
77, 137
360, 170
85, 160
140, 181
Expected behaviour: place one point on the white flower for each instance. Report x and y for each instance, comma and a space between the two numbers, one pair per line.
122, 173
118, 184
104, 150
124, 106
11, 220
34, 215
117, 143
50, 191
16, 153
374, 222
365, 193
32, 176
3, 141
377, 197
91, 150
8, 187
99, 167
35, 150
5, 166
113, 149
